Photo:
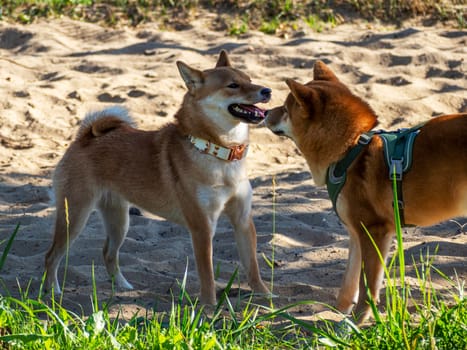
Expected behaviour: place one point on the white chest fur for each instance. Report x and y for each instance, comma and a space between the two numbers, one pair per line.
222, 182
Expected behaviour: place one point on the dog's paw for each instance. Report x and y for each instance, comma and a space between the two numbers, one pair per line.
122, 283
259, 287
52, 288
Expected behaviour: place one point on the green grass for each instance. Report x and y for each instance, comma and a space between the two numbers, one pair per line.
236, 17
428, 321
433, 323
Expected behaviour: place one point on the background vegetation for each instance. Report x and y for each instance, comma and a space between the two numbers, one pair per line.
239, 16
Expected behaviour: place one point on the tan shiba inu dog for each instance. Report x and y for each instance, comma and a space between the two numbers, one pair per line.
326, 122
189, 172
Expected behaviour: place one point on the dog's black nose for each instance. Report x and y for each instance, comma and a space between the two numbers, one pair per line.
266, 92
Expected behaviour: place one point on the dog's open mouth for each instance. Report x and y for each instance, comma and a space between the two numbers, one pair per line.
249, 113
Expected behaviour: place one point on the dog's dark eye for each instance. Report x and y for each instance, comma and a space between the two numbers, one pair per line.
233, 86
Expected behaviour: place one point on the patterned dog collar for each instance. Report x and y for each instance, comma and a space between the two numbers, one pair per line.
224, 153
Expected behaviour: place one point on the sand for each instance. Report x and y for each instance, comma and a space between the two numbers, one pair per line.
53, 72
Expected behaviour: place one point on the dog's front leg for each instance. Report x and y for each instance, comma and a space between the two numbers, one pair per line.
202, 246
348, 293
238, 210
202, 229
372, 272
245, 236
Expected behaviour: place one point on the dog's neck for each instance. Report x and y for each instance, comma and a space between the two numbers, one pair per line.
227, 134
238, 134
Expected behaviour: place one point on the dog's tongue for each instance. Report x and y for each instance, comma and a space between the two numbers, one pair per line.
248, 113
258, 112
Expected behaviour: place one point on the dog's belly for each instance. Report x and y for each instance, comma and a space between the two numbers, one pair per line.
435, 210
157, 202
168, 212
210, 200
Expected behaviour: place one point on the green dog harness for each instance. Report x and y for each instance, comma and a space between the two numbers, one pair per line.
397, 146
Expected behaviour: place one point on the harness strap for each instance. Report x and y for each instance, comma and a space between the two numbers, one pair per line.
336, 174
398, 147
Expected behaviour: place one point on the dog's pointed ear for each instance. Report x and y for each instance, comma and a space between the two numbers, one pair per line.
193, 78
223, 60
305, 96
322, 72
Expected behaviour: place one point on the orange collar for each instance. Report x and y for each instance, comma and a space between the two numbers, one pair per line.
224, 153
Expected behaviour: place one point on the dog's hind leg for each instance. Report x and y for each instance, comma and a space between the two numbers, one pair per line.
114, 213
348, 293
69, 222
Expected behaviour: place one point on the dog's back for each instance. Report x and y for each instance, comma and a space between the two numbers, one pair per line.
434, 188
437, 183
109, 155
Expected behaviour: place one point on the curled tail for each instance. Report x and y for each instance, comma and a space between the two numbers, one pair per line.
98, 123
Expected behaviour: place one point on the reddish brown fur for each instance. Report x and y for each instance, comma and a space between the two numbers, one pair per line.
112, 164
325, 119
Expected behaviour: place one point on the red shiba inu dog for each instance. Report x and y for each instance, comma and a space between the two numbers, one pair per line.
329, 124
189, 172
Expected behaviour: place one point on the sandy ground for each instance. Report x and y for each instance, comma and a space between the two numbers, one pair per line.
52, 73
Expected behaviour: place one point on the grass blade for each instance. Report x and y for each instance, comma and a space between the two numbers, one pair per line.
8, 246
